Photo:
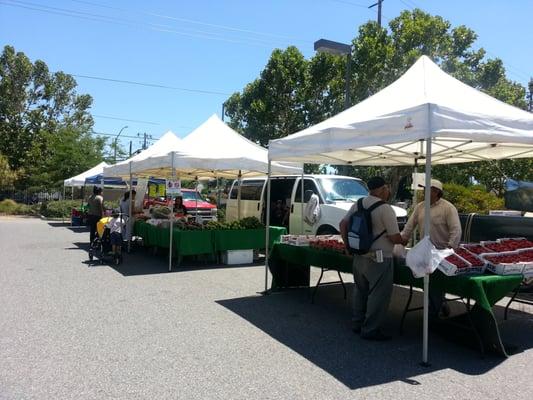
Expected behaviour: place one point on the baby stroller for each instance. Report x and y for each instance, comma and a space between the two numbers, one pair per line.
101, 245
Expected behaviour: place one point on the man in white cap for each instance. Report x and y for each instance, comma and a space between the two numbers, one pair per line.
445, 232
445, 229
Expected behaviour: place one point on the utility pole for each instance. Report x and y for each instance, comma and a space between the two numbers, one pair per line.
144, 141
130, 148
222, 112
378, 3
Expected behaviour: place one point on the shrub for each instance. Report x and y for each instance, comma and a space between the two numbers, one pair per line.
59, 208
11, 207
470, 199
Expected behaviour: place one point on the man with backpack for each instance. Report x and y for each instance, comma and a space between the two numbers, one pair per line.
370, 231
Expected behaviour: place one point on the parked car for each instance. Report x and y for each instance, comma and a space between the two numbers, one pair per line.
336, 195
193, 201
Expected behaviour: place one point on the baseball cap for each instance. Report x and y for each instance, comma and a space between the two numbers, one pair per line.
375, 183
435, 183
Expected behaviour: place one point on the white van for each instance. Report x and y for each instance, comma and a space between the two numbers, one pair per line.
336, 194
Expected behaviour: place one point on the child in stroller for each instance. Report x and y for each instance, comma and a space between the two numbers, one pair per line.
109, 238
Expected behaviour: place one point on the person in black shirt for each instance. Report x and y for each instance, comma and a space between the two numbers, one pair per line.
179, 207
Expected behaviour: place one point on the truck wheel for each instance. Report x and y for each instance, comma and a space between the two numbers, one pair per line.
327, 230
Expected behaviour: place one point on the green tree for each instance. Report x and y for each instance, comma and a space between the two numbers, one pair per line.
293, 93
7, 175
35, 106
271, 106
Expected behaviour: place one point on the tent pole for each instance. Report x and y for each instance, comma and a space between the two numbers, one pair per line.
171, 218
302, 200
130, 212
239, 179
415, 199
267, 223
196, 197
427, 227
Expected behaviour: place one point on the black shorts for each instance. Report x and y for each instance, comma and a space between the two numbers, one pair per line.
116, 239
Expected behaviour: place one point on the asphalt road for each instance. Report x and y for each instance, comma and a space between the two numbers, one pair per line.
74, 330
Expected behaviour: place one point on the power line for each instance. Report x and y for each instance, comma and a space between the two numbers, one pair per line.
124, 119
154, 85
350, 3
226, 27
124, 22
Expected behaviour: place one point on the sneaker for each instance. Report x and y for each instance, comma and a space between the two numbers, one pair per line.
376, 336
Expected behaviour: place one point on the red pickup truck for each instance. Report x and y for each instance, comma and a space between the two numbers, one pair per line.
195, 203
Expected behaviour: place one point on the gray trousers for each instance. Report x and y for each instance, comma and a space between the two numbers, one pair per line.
372, 292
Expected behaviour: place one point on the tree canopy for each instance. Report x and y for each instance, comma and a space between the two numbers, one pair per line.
293, 93
45, 124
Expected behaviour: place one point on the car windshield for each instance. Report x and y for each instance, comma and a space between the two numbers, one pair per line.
191, 196
342, 189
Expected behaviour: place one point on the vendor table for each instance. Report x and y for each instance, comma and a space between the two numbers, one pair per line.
485, 290
194, 242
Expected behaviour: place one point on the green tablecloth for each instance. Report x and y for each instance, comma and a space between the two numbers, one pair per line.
186, 243
486, 290
246, 239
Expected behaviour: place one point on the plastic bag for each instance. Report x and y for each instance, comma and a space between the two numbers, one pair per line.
312, 210
424, 257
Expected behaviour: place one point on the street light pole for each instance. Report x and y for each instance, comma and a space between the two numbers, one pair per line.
331, 47
115, 146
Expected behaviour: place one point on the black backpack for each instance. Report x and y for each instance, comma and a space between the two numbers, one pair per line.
360, 235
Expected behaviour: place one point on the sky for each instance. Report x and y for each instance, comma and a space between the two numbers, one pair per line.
196, 53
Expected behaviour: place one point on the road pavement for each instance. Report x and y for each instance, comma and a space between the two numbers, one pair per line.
70, 329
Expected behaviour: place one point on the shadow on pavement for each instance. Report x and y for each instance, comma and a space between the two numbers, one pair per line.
66, 224
321, 333
140, 261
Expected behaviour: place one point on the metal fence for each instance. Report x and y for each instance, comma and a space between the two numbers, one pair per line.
30, 196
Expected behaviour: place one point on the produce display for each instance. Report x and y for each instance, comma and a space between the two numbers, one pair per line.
328, 242
470, 257
457, 261
502, 245
475, 248
245, 223
160, 212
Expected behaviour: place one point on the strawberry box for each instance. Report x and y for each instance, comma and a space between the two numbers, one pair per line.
475, 248
516, 243
505, 263
472, 258
328, 243
455, 265
507, 244
526, 257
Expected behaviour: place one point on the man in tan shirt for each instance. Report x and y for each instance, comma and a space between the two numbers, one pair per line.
373, 277
445, 229
445, 232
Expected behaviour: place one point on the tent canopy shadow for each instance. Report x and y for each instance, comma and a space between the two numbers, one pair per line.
321, 333
142, 262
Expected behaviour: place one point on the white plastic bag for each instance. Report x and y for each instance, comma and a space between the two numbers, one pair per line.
312, 210
424, 258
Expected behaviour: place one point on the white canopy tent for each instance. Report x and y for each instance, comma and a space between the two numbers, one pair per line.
212, 150
79, 180
424, 115
122, 169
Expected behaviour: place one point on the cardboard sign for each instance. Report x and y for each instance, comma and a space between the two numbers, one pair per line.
174, 187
